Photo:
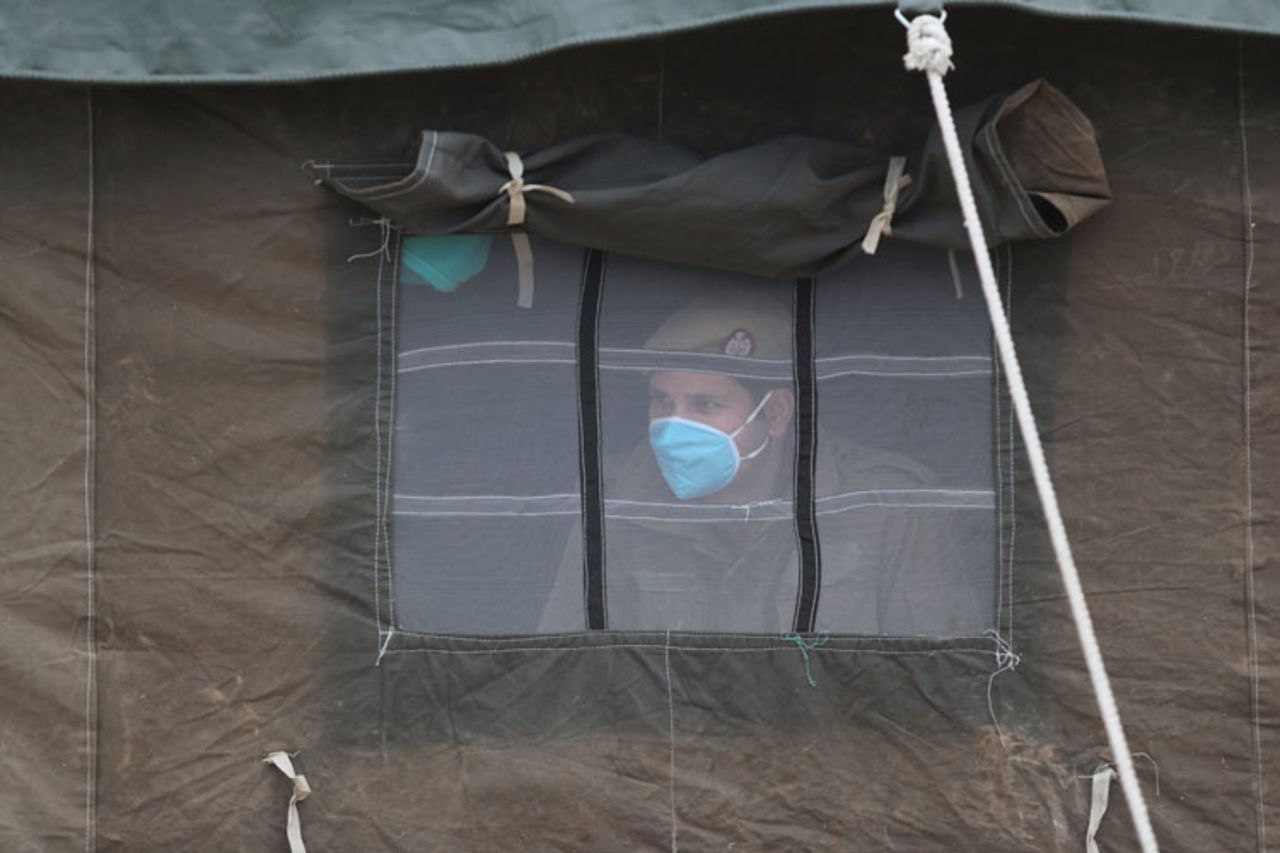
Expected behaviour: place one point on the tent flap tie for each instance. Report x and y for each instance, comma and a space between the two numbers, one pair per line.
515, 190
301, 790
1098, 805
882, 223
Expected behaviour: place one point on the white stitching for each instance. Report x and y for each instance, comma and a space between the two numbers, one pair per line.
388, 474
582, 452
1020, 196
1013, 450
483, 497
830, 359
986, 652
431, 155
671, 725
998, 449
795, 462
595, 344
418, 367
408, 497
377, 458
450, 513
91, 759
812, 367
953, 374
398, 186
834, 640
477, 344
1255, 690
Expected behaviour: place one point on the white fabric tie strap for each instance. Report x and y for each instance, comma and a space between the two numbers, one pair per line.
929, 50
882, 223
301, 790
1098, 805
515, 190
955, 273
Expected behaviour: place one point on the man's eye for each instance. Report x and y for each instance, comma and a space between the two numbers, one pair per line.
707, 406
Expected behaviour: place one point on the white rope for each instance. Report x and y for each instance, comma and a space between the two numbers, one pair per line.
301, 790
929, 50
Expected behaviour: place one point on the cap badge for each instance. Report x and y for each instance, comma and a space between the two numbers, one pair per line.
740, 343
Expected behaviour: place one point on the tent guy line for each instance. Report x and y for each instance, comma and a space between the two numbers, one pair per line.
929, 51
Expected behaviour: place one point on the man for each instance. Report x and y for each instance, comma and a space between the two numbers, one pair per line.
700, 531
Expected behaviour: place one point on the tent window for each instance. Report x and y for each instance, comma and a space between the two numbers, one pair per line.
485, 465
682, 350
653, 447
906, 507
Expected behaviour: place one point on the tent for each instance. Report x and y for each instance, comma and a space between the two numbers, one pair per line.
246, 495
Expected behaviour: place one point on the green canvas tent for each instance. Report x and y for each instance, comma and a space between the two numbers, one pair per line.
313, 445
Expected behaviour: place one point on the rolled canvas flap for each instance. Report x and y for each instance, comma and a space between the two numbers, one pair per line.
787, 207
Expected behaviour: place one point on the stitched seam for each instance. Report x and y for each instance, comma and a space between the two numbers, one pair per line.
417, 180
90, 394
657, 647
1255, 690
380, 320
671, 726
582, 447
812, 370
998, 448
1020, 198
834, 639
388, 473
795, 465
595, 379
1013, 451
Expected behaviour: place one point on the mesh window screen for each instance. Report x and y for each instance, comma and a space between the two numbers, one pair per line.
758, 456
905, 486
485, 465
698, 431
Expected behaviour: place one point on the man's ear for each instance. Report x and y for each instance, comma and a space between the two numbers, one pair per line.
780, 411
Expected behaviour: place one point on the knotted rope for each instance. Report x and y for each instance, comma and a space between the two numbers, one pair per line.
929, 50
806, 647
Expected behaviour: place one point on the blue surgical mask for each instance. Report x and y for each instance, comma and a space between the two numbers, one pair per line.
696, 459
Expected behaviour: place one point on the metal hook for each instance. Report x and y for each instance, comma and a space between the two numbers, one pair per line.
897, 13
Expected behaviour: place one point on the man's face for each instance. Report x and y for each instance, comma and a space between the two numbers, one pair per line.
709, 398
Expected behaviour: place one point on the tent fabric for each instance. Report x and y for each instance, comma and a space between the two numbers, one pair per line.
784, 208
251, 41
190, 438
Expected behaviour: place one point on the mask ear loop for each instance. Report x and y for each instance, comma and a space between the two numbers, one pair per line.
753, 454
754, 414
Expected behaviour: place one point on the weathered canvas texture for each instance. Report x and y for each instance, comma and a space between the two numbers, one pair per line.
188, 409
284, 42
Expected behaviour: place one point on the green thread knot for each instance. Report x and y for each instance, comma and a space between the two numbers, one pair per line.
805, 648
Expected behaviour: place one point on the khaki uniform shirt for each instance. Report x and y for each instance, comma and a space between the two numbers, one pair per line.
690, 566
